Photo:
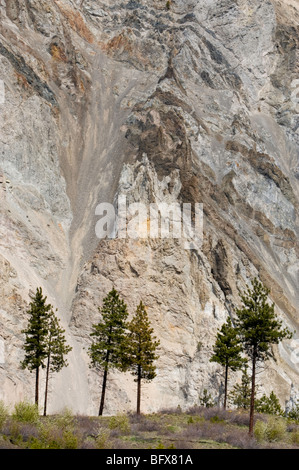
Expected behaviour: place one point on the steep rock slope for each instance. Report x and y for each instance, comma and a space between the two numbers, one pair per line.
192, 103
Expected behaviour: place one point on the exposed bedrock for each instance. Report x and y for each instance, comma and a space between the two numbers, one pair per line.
197, 103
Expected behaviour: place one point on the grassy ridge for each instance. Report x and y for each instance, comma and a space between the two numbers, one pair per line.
198, 428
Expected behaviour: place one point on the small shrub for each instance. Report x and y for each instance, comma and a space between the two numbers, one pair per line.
240, 438
293, 414
208, 412
295, 437
25, 413
240, 395
259, 431
238, 417
102, 439
13, 432
192, 432
36, 443
214, 431
168, 5
272, 430
87, 425
269, 405
194, 410
160, 445
27, 431
50, 437
206, 399
69, 440
170, 429
147, 425
3, 414
65, 420
53, 435
120, 422
216, 419
276, 429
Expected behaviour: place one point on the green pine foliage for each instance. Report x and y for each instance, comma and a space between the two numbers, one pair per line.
110, 333
37, 331
57, 349
241, 393
142, 346
227, 352
36, 335
293, 414
122, 345
269, 405
4, 413
258, 325
206, 399
274, 429
109, 338
25, 412
259, 328
45, 344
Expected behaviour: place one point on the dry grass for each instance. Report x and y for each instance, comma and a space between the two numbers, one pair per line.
197, 428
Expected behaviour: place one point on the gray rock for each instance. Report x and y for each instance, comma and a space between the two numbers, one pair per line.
195, 104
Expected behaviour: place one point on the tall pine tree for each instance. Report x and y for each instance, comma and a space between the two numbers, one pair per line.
57, 349
142, 346
36, 335
109, 344
227, 352
259, 328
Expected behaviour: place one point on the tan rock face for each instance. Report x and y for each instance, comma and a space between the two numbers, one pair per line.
195, 104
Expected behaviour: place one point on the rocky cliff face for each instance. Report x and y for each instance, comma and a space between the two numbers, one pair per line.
184, 101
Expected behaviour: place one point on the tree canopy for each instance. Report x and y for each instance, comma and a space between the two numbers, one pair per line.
142, 346
227, 351
36, 335
258, 328
109, 338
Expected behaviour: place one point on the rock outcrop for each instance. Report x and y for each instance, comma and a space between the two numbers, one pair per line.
178, 102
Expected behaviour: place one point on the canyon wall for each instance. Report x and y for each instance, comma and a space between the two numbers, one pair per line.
192, 101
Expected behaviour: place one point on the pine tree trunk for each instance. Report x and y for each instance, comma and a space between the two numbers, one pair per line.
103, 391
105, 376
252, 397
46, 389
225, 386
138, 390
36, 385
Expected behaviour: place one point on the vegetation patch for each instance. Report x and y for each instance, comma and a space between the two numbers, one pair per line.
197, 428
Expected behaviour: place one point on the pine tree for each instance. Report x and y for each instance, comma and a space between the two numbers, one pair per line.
36, 337
227, 352
108, 348
240, 395
269, 405
259, 328
142, 346
56, 351
206, 399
